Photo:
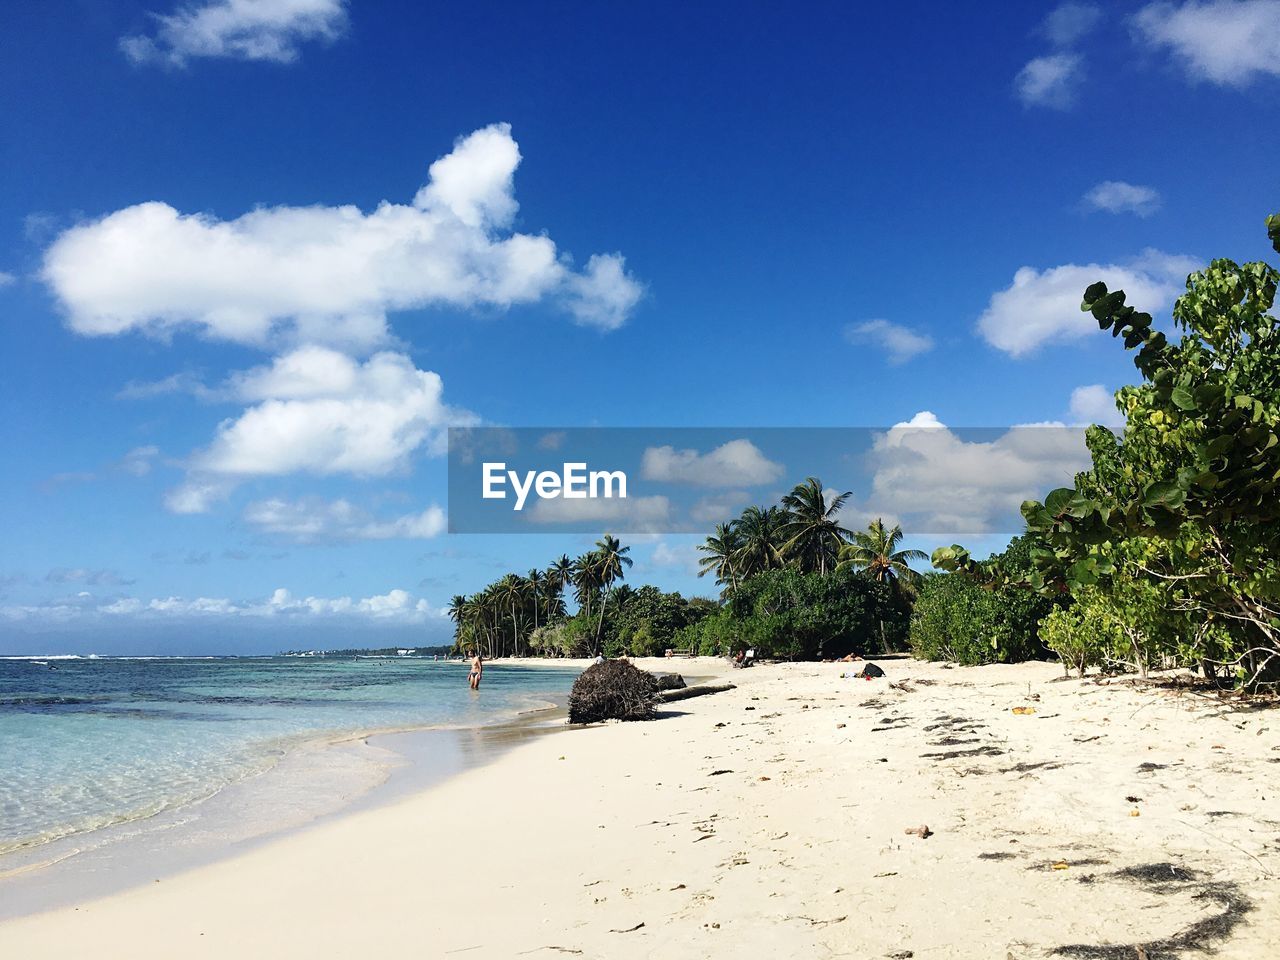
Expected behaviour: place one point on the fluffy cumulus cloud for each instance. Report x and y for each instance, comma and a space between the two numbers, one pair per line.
1094, 403
1042, 307
237, 29
394, 607
330, 274
312, 520
934, 480
1050, 81
898, 342
315, 410
738, 463
1117, 196
1227, 42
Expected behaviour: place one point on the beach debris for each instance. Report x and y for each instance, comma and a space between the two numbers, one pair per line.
1060, 865
1133, 799
716, 773
975, 752
613, 689
841, 726
697, 690
901, 955
887, 873
1024, 711
922, 831
630, 929
762, 778
678, 886
1135, 812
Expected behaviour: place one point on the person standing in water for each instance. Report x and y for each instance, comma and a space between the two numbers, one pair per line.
477, 670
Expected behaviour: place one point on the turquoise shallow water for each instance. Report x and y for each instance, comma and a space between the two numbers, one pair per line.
85, 743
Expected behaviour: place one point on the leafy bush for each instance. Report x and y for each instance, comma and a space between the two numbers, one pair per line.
1082, 635
568, 638
613, 690
957, 619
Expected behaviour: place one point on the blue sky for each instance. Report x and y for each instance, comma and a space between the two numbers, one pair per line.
226, 370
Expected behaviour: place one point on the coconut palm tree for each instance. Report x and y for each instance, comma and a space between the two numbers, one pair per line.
513, 591
721, 550
560, 572
812, 535
610, 565
759, 532
875, 552
586, 580
536, 581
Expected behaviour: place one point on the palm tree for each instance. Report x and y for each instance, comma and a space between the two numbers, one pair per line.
536, 581
721, 550
813, 536
610, 565
586, 580
512, 593
759, 532
560, 572
875, 552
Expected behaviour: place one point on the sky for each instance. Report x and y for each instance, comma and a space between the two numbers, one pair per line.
257, 256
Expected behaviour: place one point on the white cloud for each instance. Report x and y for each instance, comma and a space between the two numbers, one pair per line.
901, 343
329, 274
139, 461
238, 29
6, 278
318, 411
1095, 404
1071, 22
620, 515
313, 520
681, 556
719, 508
1228, 42
933, 480
1117, 196
94, 578
395, 606
1043, 306
738, 463
1050, 81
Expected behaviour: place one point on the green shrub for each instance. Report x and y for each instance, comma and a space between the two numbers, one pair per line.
956, 619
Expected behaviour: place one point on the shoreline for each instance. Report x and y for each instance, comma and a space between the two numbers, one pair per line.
367, 768
771, 818
359, 766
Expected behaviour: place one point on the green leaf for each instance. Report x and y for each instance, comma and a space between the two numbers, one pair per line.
1183, 398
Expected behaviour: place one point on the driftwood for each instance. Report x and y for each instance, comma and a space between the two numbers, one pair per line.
667, 696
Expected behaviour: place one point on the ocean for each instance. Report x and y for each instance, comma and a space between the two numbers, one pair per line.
90, 743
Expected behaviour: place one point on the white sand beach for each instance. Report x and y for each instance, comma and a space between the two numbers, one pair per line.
771, 821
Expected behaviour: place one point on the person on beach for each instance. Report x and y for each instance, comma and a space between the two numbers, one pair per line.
477, 670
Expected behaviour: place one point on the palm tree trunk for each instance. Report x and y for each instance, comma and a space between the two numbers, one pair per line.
600, 626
